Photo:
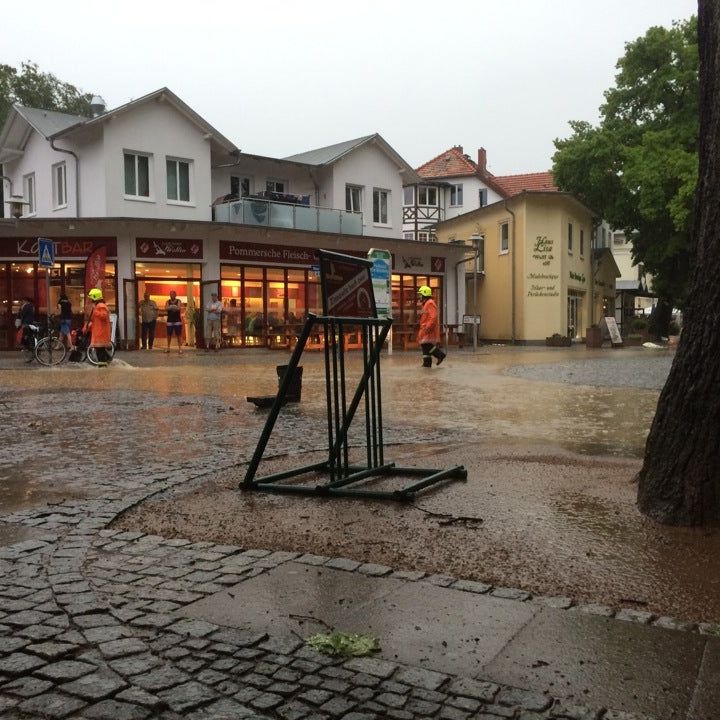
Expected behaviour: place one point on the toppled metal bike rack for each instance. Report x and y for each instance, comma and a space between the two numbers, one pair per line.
340, 414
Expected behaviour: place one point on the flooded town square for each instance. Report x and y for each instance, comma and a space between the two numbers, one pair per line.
123, 485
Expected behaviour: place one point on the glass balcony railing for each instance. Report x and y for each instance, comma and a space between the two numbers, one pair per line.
254, 211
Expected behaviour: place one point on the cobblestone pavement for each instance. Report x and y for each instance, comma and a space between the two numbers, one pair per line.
89, 626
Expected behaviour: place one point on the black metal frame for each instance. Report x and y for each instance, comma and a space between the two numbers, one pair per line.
340, 415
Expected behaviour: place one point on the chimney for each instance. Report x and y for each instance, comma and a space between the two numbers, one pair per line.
482, 161
459, 148
97, 106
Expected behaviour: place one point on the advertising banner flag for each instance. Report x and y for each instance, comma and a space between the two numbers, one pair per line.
346, 284
95, 268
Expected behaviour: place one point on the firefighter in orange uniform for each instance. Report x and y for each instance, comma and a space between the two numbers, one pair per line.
100, 327
429, 331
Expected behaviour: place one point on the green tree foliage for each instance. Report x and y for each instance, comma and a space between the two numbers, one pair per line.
38, 89
639, 166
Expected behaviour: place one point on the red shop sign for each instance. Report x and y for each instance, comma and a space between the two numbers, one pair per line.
75, 247
257, 252
161, 248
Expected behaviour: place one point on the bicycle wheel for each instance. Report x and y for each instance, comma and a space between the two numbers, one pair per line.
92, 355
50, 351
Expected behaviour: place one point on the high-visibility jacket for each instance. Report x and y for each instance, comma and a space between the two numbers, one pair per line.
100, 326
429, 330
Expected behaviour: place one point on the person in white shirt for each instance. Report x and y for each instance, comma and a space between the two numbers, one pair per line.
214, 315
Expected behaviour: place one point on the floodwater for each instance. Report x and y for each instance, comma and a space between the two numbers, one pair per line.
548, 504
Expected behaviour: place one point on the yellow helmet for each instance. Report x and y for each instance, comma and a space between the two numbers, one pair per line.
95, 294
425, 291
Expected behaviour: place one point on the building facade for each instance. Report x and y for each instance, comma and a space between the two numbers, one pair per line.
536, 275
176, 205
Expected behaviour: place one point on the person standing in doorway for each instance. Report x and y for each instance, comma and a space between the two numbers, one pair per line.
429, 331
148, 318
100, 327
173, 308
214, 316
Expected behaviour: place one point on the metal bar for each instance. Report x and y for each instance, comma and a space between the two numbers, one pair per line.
440, 475
412, 471
381, 439
292, 473
341, 492
328, 399
279, 400
336, 401
373, 402
366, 473
374, 358
343, 397
368, 440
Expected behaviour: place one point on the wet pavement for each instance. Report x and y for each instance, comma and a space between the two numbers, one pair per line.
100, 621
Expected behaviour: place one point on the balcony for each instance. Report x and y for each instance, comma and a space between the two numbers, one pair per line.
270, 213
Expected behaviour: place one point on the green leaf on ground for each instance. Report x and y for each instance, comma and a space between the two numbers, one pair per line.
347, 644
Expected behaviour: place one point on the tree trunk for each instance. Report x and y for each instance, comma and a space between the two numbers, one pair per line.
679, 482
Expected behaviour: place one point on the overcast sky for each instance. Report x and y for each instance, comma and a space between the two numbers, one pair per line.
280, 77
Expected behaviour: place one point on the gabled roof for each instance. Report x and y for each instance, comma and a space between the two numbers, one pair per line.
606, 254
514, 184
163, 94
48, 122
455, 163
451, 163
51, 124
330, 154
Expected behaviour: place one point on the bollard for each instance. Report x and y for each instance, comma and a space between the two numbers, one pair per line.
295, 388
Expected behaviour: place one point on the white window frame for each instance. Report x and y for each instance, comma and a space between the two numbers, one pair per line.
59, 186
29, 194
353, 198
274, 182
378, 220
409, 189
504, 238
456, 189
427, 189
150, 197
423, 236
408, 235
482, 197
190, 202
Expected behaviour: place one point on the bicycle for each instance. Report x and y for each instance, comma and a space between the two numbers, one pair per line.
86, 353
45, 347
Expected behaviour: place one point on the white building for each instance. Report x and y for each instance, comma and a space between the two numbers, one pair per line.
176, 205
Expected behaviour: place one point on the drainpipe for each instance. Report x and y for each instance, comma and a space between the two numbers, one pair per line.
77, 173
512, 279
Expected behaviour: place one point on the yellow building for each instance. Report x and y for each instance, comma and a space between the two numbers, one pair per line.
538, 272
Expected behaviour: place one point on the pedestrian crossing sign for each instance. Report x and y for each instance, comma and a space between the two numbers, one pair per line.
46, 252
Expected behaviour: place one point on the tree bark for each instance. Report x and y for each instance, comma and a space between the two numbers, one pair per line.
679, 482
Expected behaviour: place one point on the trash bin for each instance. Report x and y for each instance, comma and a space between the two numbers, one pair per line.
295, 388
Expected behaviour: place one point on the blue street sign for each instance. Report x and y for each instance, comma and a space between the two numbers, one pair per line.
46, 252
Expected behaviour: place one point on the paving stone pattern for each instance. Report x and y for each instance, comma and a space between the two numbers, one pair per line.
89, 626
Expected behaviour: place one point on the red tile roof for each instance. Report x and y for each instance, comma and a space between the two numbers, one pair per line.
451, 163
514, 184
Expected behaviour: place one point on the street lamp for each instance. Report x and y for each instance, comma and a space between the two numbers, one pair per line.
476, 239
